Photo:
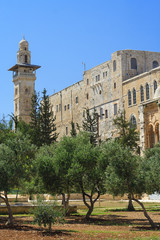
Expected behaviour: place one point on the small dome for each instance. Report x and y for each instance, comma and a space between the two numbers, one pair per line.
23, 44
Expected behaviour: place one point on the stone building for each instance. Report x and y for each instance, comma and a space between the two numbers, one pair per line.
24, 76
130, 81
141, 96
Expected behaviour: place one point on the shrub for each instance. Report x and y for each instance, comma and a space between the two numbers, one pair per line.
47, 214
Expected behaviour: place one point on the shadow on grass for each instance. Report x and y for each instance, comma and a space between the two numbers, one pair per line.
111, 220
23, 223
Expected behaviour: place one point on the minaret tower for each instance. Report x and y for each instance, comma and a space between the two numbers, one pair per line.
24, 76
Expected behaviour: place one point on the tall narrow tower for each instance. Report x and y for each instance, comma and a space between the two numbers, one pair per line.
24, 76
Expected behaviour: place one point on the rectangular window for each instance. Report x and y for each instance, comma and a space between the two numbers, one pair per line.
65, 108
87, 81
101, 113
104, 74
66, 130
87, 96
114, 85
115, 109
97, 78
57, 108
16, 107
68, 106
76, 99
106, 113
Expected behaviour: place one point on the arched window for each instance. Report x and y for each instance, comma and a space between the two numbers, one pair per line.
134, 96
114, 65
147, 91
133, 122
155, 85
129, 98
155, 64
142, 93
133, 63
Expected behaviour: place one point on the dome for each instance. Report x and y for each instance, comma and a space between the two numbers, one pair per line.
23, 44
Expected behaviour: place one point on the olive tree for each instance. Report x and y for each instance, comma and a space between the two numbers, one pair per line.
86, 171
53, 164
15, 160
124, 174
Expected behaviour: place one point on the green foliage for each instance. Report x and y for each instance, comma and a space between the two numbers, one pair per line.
17, 156
46, 168
90, 125
47, 126
73, 130
47, 214
53, 163
128, 136
86, 171
123, 173
85, 165
5, 130
35, 119
15, 164
151, 169
43, 129
7, 168
71, 164
23, 127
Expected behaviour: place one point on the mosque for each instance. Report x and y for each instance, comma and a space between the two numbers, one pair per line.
130, 81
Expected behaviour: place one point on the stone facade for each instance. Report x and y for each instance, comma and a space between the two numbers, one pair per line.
145, 110
105, 88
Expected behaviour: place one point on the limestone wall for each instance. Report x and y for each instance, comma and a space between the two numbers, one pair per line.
105, 87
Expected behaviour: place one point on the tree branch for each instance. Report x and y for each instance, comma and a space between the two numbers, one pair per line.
98, 195
145, 213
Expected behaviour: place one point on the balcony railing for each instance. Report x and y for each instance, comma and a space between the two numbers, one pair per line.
16, 74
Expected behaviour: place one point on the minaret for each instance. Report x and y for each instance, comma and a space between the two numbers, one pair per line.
24, 76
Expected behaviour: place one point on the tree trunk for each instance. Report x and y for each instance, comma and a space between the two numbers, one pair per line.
50, 227
65, 202
146, 214
87, 217
130, 204
63, 199
17, 195
10, 220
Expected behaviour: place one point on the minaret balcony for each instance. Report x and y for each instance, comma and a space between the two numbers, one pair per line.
16, 75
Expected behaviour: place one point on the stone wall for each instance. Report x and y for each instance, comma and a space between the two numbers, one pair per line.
105, 86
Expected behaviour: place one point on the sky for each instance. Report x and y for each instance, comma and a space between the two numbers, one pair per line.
64, 33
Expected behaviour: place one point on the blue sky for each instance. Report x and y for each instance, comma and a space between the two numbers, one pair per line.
63, 34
